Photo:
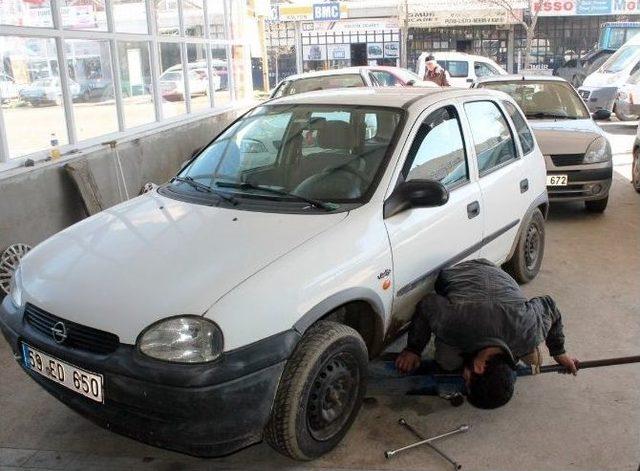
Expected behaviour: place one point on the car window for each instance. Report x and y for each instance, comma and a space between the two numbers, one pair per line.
491, 134
385, 79
438, 151
524, 133
458, 68
483, 69
265, 148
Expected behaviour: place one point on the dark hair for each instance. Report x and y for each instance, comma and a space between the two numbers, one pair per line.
494, 387
430, 57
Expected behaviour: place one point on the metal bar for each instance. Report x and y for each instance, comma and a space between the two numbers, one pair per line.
115, 67
185, 73
419, 436
4, 144
154, 57
461, 429
63, 72
207, 34
227, 33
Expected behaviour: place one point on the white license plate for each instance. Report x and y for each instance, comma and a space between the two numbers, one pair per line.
78, 380
557, 180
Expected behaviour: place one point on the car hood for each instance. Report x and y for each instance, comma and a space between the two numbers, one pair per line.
154, 257
564, 136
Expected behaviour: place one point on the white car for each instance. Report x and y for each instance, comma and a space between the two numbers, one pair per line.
241, 301
576, 150
172, 86
8, 88
464, 69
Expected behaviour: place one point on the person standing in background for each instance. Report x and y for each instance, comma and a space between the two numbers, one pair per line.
435, 73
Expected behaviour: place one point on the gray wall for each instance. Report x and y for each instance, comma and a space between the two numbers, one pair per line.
37, 203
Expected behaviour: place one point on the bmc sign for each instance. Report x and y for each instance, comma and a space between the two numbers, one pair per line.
326, 11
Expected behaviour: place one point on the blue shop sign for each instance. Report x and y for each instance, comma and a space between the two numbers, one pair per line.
326, 11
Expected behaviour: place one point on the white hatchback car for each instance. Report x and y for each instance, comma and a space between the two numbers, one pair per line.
464, 69
243, 299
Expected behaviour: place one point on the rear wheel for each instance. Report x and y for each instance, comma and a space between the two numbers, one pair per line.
525, 263
622, 116
635, 169
597, 206
320, 392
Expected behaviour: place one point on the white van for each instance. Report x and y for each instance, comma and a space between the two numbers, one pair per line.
600, 89
464, 69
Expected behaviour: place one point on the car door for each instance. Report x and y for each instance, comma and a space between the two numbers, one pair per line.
423, 240
503, 187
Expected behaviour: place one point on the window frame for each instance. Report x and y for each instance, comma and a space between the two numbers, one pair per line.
521, 152
59, 34
409, 158
516, 143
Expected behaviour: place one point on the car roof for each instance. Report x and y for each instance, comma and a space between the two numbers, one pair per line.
444, 55
394, 97
522, 78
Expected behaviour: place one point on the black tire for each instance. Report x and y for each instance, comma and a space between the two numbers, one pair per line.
327, 368
635, 170
597, 206
525, 263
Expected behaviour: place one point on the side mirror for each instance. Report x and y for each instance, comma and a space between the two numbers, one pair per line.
196, 152
415, 194
411, 82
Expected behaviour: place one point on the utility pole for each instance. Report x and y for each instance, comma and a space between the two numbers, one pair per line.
404, 42
263, 53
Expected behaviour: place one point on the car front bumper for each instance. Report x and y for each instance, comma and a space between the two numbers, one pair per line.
582, 184
203, 410
599, 98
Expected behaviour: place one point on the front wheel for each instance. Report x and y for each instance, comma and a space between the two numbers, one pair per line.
596, 206
635, 170
622, 116
525, 263
320, 392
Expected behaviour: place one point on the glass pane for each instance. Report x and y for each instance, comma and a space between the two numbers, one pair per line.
89, 66
193, 14
215, 12
129, 16
167, 18
90, 16
135, 77
25, 13
31, 94
220, 74
171, 80
198, 77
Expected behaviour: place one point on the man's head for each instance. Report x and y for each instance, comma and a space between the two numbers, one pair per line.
489, 378
430, 62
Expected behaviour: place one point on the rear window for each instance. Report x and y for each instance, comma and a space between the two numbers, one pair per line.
457, 68
320, 83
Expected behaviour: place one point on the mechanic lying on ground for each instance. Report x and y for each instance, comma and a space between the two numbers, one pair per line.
484, 324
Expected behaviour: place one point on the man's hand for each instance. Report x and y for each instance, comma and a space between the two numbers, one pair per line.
407, 361
571, 364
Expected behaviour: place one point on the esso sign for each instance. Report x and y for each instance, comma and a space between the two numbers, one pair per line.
559, 7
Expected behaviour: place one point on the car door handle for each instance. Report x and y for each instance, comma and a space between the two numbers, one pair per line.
524, 185
473, 209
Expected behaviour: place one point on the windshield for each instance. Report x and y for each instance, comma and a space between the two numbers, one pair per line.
621, 59
324, 153
172, 76
543, 99
323, 82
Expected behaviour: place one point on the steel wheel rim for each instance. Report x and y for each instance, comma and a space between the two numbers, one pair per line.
531, 246
9, 261
332, 396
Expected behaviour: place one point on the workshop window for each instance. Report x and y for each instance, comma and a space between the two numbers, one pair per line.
438, 151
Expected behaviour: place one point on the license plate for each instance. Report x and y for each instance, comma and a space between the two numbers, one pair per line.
556, 180
81, 381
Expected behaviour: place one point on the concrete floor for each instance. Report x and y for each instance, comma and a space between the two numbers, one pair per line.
592, 422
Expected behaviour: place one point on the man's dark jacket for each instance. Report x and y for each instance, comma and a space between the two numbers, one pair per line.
477, 305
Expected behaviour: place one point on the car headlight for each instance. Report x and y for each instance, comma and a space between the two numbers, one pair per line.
598, 151
15, 289
182, 339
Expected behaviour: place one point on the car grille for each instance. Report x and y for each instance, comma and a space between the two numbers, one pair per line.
563, 160
78, 336
585, 94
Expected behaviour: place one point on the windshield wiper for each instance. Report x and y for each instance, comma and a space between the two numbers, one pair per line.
206, 188
252, 186
543, 114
